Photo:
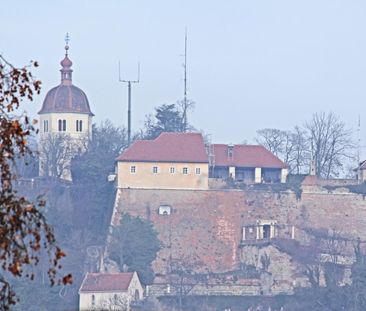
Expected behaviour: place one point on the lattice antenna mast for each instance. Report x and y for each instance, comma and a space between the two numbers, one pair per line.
359, 140
129, 82
185, 107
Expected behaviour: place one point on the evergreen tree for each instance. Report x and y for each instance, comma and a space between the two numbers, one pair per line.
135, 245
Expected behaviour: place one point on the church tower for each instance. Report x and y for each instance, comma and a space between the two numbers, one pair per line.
65, 122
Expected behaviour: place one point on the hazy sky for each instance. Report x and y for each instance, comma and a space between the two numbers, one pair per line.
251, 64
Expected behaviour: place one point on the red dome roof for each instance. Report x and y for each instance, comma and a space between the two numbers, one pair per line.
66, 62
66, 98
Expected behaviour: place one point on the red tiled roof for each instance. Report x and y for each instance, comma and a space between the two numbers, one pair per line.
246, 156
168, 147
106, 282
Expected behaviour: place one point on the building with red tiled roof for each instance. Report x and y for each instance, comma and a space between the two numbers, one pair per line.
170, 161
247, 163
109, 291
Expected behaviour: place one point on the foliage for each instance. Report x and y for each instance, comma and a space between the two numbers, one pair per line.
91, 191
24, 229
293, 184
358, 288
134, 246
357, 188
168, 118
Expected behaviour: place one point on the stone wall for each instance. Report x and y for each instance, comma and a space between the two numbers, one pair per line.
209, 223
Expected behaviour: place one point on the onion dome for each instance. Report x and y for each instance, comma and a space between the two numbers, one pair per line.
66, 97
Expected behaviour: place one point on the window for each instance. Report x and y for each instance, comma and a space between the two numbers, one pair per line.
64, 125
185, 170
133, 169
230, 150
172, 170
198, 171
93, 300
59, 125
165, 210
79, 125
115, 298
137, 295
155, 169
45, 126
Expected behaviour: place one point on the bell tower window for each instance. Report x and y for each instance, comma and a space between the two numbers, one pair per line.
61, 125
45, 126
79, 125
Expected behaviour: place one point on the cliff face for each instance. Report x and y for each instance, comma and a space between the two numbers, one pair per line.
209, 223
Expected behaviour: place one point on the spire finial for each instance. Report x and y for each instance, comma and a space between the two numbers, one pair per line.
67, 40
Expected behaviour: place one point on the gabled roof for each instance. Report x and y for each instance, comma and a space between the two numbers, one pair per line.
106, 282
167, 147
245, 156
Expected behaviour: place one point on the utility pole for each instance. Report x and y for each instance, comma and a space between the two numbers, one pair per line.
129, 82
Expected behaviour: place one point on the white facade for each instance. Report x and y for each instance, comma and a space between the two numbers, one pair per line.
62, 136
112, 300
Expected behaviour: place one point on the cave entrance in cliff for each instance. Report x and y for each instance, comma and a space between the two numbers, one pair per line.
266, 231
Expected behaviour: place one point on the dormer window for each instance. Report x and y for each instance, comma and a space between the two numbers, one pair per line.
230, 151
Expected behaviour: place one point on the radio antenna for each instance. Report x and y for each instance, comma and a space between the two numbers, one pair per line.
129, 82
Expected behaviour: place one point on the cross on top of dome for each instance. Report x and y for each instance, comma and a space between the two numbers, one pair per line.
66, 97
66, 63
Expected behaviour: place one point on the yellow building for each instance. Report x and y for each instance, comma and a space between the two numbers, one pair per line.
65, 125
171, 161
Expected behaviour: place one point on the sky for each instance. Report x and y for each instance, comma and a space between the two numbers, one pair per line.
251, 64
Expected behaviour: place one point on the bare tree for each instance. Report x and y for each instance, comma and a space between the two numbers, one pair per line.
331, 144
272, 139
185, 106
300, 157
184, 274
24, 229
290, 146
56, 152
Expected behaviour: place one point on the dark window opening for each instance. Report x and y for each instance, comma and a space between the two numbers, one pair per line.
137, 294
266, 231
64, 125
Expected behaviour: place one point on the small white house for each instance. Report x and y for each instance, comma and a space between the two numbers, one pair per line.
110, 291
